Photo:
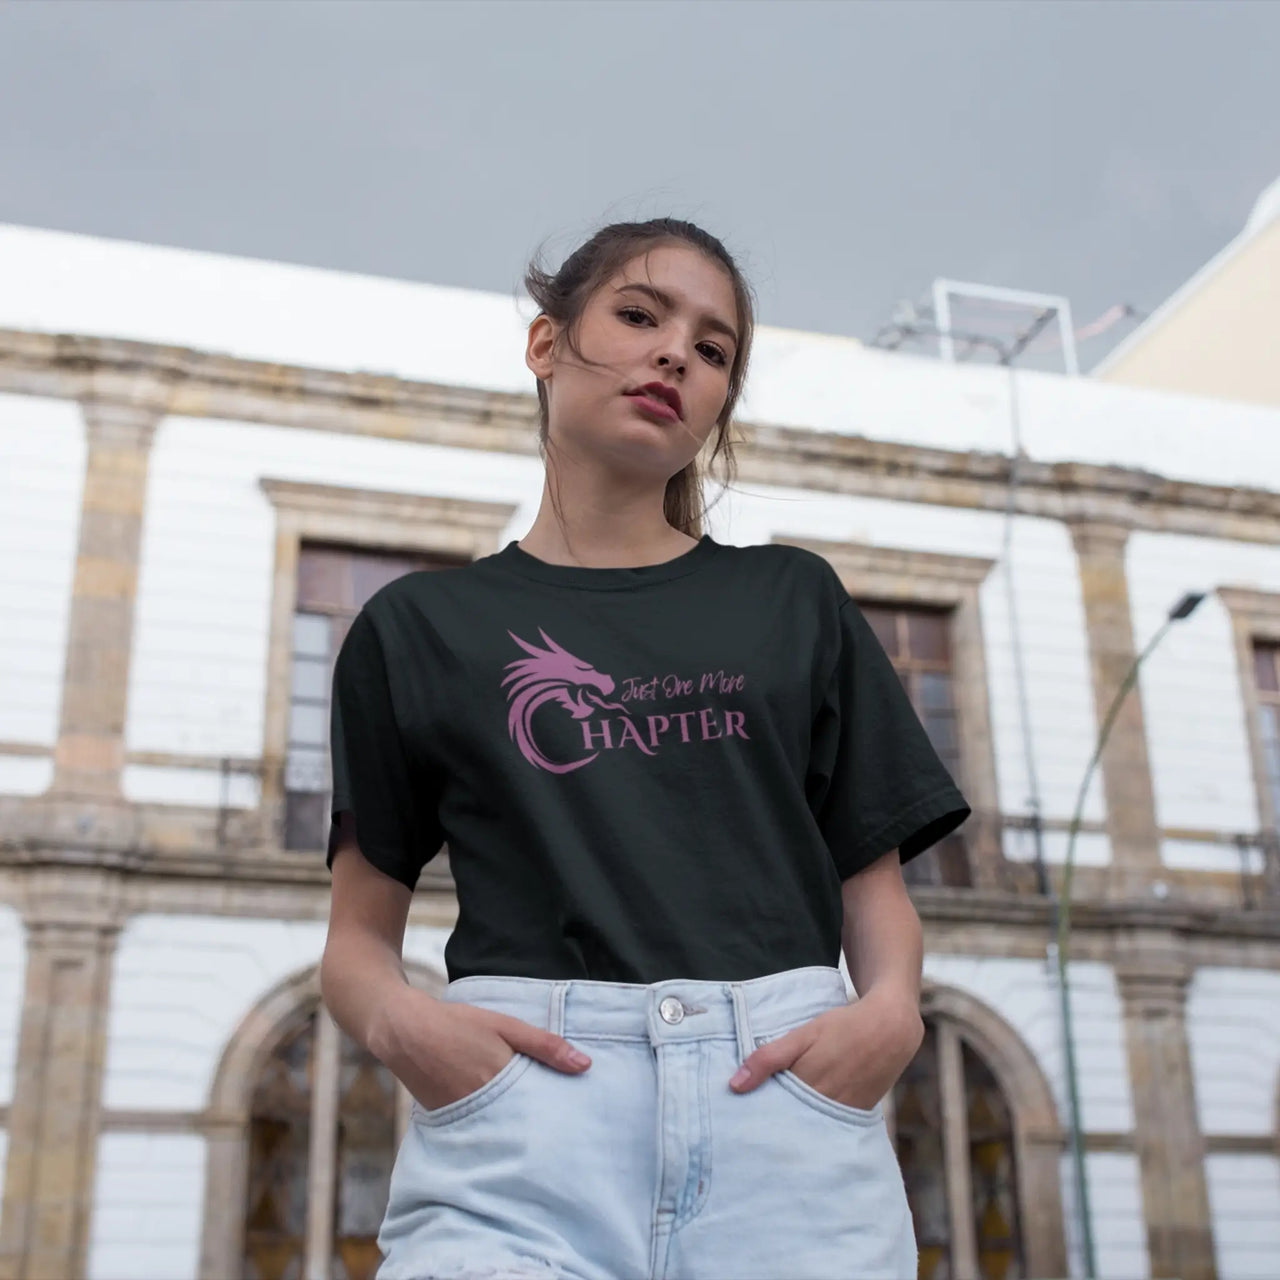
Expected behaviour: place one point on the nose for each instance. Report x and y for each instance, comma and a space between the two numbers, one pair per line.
671, 361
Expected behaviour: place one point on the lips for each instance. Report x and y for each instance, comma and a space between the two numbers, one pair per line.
662, 392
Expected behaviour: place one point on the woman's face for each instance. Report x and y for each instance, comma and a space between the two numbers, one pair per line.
668, 317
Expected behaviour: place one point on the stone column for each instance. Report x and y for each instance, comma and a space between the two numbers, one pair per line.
1124, 767
1153, 980
72, 912
72, 919
89, 756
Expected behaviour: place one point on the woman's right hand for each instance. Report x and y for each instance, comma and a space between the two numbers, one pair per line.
440, 1050
443, 1050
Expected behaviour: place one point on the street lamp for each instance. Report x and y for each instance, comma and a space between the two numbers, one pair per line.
1062, 912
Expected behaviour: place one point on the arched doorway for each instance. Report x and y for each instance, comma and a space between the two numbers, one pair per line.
976, 1133
322, 1139
303, 1127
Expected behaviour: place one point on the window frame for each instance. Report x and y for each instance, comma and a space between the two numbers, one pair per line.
336, 619
932, 868
1038, 1137
369, 520
1255, 617
934, 580
957, 1168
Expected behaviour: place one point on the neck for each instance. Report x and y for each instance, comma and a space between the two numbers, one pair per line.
604, 535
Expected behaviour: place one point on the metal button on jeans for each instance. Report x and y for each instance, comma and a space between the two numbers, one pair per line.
671, 1009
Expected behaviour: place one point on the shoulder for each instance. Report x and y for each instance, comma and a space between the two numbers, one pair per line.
419, 592
401, 618
795, 565
789, 555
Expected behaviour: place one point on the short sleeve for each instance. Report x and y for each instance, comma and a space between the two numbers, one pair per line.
874, 781
393, 798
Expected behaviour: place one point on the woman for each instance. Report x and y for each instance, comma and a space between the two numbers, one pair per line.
675, 777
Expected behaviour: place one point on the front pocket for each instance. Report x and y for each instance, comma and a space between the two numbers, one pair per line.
828, 1106
478, 1099
819, 1102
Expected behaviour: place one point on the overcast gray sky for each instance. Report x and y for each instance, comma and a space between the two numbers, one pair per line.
847, 152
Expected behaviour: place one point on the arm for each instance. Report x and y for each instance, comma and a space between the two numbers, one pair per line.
361, 973
855, 1054
882, 939
439, 1050
884, 948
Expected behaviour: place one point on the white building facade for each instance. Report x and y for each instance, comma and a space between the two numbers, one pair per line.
206, 465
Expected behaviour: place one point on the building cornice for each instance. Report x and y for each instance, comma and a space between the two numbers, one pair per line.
206, 385
1074, 492
199, 384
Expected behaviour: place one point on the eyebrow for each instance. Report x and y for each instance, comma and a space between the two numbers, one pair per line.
666, 300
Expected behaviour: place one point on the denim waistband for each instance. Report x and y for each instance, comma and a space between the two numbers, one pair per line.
582, 1008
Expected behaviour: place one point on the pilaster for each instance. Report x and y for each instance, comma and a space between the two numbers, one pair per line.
73, 919
1153, 976
89, 755
1125, 767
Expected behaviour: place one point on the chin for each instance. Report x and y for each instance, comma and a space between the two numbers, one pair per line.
635, 445
642, 457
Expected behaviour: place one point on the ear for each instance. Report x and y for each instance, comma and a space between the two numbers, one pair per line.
537, 354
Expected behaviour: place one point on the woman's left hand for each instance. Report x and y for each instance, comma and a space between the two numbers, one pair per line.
853, 1054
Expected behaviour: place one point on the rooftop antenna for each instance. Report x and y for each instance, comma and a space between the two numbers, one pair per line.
1043, 309
967, 319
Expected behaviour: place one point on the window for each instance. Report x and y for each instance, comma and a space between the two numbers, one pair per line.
331, 556
1255, 621
928, 604
953, 1131
333, 585
324, 1126
1266, 674
918, 642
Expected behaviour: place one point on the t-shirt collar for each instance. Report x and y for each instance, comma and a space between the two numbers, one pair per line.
514, 558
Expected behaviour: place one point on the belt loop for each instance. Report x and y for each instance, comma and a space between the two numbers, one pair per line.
555, 1013
742, 1022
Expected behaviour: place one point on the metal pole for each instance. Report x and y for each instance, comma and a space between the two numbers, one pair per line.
1060, 947
1084, 1214
1043, 883
1068, 868
1015, 628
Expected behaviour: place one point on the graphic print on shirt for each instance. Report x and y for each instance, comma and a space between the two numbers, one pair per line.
553, 674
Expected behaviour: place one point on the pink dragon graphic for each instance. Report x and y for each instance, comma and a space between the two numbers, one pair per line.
552, 674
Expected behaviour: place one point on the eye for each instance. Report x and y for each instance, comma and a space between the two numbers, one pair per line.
717, 354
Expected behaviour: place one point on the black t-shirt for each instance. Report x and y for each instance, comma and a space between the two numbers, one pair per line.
642, 773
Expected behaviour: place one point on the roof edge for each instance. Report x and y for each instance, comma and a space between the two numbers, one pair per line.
1265, 210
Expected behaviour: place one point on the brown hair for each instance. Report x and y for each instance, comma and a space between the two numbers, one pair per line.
562, 296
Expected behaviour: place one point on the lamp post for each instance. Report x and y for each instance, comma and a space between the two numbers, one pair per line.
1062, 935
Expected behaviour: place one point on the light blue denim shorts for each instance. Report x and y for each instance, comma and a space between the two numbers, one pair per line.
647, 1166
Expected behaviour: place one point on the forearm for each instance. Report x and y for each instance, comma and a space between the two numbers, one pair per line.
361, 976
882, 938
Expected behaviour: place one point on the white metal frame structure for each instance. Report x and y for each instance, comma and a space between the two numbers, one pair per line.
1040, 303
